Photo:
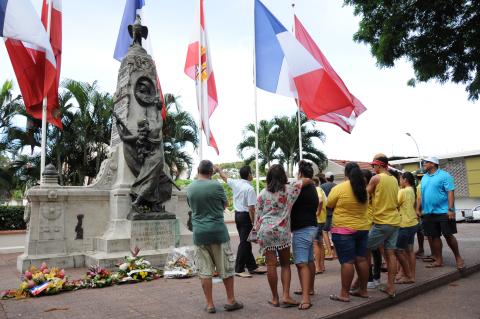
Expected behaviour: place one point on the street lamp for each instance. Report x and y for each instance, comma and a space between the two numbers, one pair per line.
418, 150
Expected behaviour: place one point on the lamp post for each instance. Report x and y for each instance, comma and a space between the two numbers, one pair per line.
418, 150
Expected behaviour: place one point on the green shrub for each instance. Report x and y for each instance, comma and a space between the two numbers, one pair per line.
11, 218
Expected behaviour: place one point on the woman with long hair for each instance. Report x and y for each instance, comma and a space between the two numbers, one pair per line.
408, 228
349, 201
304, 229
272, 226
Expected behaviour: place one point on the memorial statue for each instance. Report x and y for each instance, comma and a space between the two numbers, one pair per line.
137, 31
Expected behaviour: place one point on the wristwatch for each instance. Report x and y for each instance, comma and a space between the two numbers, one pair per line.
451, 210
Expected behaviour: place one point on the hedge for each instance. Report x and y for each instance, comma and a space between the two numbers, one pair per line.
11, 218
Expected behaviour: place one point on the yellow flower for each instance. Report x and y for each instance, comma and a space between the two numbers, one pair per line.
143, 274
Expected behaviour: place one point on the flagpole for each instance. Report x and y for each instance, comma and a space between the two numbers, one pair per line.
257, 173
199, 82
300, 147
45, 104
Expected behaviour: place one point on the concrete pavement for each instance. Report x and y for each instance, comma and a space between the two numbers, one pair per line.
183, 298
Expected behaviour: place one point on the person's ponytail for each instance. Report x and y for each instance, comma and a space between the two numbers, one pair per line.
357, 180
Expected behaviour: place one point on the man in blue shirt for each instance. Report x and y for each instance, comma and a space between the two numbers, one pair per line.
437, 203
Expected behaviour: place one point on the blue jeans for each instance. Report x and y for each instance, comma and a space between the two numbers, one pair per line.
302, 244
349, 247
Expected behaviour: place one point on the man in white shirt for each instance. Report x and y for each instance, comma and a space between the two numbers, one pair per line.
244, 200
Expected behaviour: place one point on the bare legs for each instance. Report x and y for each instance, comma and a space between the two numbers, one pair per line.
285, 275
319, 252
207, 290
404, 261
392, 270
306, 274
453, 244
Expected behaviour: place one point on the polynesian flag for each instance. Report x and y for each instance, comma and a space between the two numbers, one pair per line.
124, 40
35, 58
202, 73
337, 93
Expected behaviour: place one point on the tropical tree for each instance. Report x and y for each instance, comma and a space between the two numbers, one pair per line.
286, 137
266, 144
86, 133
179, 130
9, 107
440, 38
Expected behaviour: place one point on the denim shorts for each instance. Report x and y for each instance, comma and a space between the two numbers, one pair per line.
351, 246
382, 234
302, 244
319, 235
406, 237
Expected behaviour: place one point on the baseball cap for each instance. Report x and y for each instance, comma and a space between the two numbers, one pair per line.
431, 159
328, 174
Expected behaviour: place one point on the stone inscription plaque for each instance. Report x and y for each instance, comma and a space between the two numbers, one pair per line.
154, 234
121, 108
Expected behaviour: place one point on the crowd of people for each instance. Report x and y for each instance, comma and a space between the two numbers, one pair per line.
372, 216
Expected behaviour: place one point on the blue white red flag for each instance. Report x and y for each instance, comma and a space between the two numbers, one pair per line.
35, 57
38, 289
335, 92
285, 67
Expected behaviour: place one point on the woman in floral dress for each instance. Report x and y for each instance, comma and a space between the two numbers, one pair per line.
272, 225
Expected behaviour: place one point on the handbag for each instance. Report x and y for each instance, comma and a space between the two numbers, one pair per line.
252, 237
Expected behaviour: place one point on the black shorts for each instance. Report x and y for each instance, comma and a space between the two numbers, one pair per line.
435, 225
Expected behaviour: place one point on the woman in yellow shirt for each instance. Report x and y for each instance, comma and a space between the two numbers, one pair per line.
349, 201
318, 248
408, 229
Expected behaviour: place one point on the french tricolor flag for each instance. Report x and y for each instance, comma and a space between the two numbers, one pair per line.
285, 67
35, 59
38, 289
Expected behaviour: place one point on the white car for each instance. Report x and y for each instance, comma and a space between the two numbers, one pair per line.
459, 215
476, 213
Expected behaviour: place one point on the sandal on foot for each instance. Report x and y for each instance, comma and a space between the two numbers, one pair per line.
299, 292
337, 298
305, 306
461, 266
276, 305
232, 307
433, 265
210, 310
288, 304
385, 291
356, 293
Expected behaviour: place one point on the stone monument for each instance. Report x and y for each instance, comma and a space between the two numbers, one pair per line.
130, 204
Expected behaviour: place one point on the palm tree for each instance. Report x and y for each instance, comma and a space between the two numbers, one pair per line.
9, 108
266, 144
286, 137
179, 129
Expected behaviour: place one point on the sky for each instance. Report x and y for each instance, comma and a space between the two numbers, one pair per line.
439, 117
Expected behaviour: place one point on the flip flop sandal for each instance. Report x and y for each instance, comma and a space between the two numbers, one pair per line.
288, 305
404, 282
337, 298
428, 259
357, 294
299, 292
233, 307
276, 305
384, 290
302, 306
433, 265
210, 310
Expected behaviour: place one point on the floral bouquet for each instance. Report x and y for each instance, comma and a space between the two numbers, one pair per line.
180, 263
98, 277
136, 268
42, 281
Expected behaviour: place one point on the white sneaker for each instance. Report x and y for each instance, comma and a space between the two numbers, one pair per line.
373, 284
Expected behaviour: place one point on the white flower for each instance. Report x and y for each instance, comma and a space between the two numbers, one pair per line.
123, 267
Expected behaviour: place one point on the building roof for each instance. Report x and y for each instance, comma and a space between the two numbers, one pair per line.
363, 165
444, 156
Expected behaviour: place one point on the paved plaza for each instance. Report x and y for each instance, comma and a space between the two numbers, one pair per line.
183, 298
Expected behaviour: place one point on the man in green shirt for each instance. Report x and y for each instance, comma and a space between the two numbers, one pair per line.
207, 200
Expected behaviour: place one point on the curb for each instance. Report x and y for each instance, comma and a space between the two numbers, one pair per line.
410, 292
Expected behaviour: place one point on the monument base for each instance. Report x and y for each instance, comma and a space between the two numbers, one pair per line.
150, 216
